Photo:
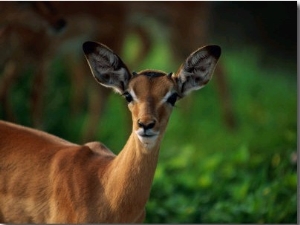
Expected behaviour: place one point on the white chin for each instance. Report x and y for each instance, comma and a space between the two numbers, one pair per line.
148, 142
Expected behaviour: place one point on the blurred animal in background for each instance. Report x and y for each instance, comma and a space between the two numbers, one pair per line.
34, 33
24, 39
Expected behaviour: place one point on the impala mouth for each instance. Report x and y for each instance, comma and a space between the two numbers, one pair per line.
148, 137
146, 133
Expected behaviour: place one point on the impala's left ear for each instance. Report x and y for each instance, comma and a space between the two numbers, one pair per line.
197, 69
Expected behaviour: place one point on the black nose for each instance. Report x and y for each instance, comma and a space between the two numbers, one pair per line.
146, 125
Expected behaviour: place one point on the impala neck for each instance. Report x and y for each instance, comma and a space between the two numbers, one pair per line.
130, 176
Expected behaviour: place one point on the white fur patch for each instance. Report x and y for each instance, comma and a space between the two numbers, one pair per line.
148, 141
165, 98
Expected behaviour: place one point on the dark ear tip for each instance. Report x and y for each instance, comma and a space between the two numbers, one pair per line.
89, 47
215, 50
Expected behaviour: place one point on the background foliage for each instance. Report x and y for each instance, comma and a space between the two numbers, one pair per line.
207, 173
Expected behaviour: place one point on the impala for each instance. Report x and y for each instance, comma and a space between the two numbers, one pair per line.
45, 179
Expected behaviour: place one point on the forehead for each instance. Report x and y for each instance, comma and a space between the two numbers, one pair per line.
153, 83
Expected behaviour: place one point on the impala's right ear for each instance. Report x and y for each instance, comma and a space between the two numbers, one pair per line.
107, 67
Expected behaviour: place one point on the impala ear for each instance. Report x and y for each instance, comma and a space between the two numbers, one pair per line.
106, 66
197, 69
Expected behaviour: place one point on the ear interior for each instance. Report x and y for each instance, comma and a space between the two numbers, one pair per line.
197, 69
106, 66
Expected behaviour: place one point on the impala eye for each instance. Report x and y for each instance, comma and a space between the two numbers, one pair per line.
172, 99
128, 97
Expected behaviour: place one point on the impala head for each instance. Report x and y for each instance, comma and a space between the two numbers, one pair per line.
151, 94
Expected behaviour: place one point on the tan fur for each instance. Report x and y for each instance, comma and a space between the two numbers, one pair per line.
48, 180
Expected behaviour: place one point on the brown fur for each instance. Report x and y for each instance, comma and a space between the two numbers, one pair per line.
47, 180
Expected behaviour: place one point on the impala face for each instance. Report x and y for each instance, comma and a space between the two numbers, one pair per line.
151, 94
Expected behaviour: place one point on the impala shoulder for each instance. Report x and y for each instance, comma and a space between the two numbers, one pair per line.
99, 148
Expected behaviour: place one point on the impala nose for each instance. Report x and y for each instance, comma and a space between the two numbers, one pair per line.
146, 125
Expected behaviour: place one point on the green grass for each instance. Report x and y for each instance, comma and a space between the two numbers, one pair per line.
206, 173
